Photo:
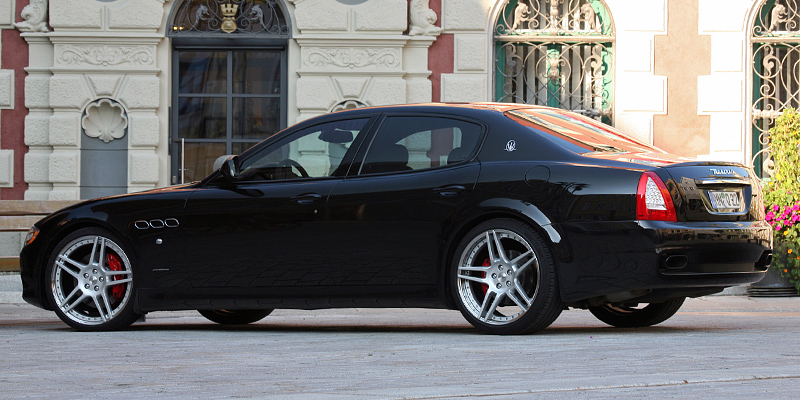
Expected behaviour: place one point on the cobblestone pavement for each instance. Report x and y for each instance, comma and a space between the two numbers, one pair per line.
719, 346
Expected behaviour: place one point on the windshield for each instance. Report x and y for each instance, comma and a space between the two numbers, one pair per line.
578, 133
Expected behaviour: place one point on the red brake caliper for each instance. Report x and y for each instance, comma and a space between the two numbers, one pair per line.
115, 264
486, 263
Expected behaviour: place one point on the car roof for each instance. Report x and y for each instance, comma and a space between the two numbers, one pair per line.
443, 107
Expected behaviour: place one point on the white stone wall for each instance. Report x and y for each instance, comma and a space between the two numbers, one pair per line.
355, 53
471, 23
725, 93
639, 93
95, 50
7, 8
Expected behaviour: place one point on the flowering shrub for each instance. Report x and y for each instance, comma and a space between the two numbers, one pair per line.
781, 195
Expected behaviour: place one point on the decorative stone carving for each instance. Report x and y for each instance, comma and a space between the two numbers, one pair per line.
106, 55
105, 119
34, 17
353, 57
347, 105
233, 16
422, 19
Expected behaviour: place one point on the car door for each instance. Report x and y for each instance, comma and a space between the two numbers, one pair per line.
391, 214
266, 229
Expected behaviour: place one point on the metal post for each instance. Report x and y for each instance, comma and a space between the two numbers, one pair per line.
183, 158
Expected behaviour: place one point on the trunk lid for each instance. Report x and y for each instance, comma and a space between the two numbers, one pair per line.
715, 191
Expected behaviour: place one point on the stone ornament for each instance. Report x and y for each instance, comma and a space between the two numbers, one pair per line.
104, 119
106, 55
353, 57
230, 17
422, 19
34, 17
347, 105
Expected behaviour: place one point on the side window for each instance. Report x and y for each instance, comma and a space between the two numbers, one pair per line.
314, 152
405, 143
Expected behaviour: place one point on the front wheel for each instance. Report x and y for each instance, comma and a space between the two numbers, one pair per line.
504, 279
634, 316
90, 281
235, 317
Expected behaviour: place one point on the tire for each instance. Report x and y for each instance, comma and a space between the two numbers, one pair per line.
89, 281
503, 279
235, 317
634, 317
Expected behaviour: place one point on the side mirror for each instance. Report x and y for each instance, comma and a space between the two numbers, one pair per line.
230, 168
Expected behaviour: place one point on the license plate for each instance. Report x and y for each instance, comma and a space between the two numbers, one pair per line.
724, 200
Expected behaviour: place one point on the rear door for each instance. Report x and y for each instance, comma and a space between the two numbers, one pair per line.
391, 213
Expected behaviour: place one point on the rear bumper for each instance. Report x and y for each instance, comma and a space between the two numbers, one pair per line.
598, 259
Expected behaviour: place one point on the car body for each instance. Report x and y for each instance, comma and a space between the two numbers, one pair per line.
508, 212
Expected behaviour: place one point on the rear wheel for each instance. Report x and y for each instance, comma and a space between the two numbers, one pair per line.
90, 281
636, 316
234, 317
504, 279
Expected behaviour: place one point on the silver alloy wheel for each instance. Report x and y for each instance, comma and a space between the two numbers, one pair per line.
498, 277
91, 280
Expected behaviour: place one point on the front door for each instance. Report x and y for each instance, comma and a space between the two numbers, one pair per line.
267, 229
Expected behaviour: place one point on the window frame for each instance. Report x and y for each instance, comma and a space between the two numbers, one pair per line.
218, 45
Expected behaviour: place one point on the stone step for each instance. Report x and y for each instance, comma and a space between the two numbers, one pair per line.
9, 264
10, 223
20, 215
30, 207
10, 289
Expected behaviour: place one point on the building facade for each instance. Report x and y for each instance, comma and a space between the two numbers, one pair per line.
100, 97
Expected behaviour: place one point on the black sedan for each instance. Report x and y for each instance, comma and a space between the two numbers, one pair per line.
509, 213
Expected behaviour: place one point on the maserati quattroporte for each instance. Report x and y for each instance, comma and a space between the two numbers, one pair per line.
509, 213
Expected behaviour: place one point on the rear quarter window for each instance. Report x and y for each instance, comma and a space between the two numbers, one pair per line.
577, 133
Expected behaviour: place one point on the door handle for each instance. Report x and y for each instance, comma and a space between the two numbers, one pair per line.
307, 198
449, 191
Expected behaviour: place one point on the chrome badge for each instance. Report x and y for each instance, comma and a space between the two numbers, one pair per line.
723, 171
511, 145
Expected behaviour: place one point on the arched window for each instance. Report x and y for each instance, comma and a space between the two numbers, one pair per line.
556, 53
775, 38
228, 80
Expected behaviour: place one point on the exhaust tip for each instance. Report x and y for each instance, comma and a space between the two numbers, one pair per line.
676, 262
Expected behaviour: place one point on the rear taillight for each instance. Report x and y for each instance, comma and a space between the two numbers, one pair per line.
653, 201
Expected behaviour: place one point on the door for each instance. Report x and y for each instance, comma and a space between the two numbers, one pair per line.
267, 228
389, 216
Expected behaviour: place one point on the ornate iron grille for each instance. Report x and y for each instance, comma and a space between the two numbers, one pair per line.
230, 17
556, 53
775, 64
